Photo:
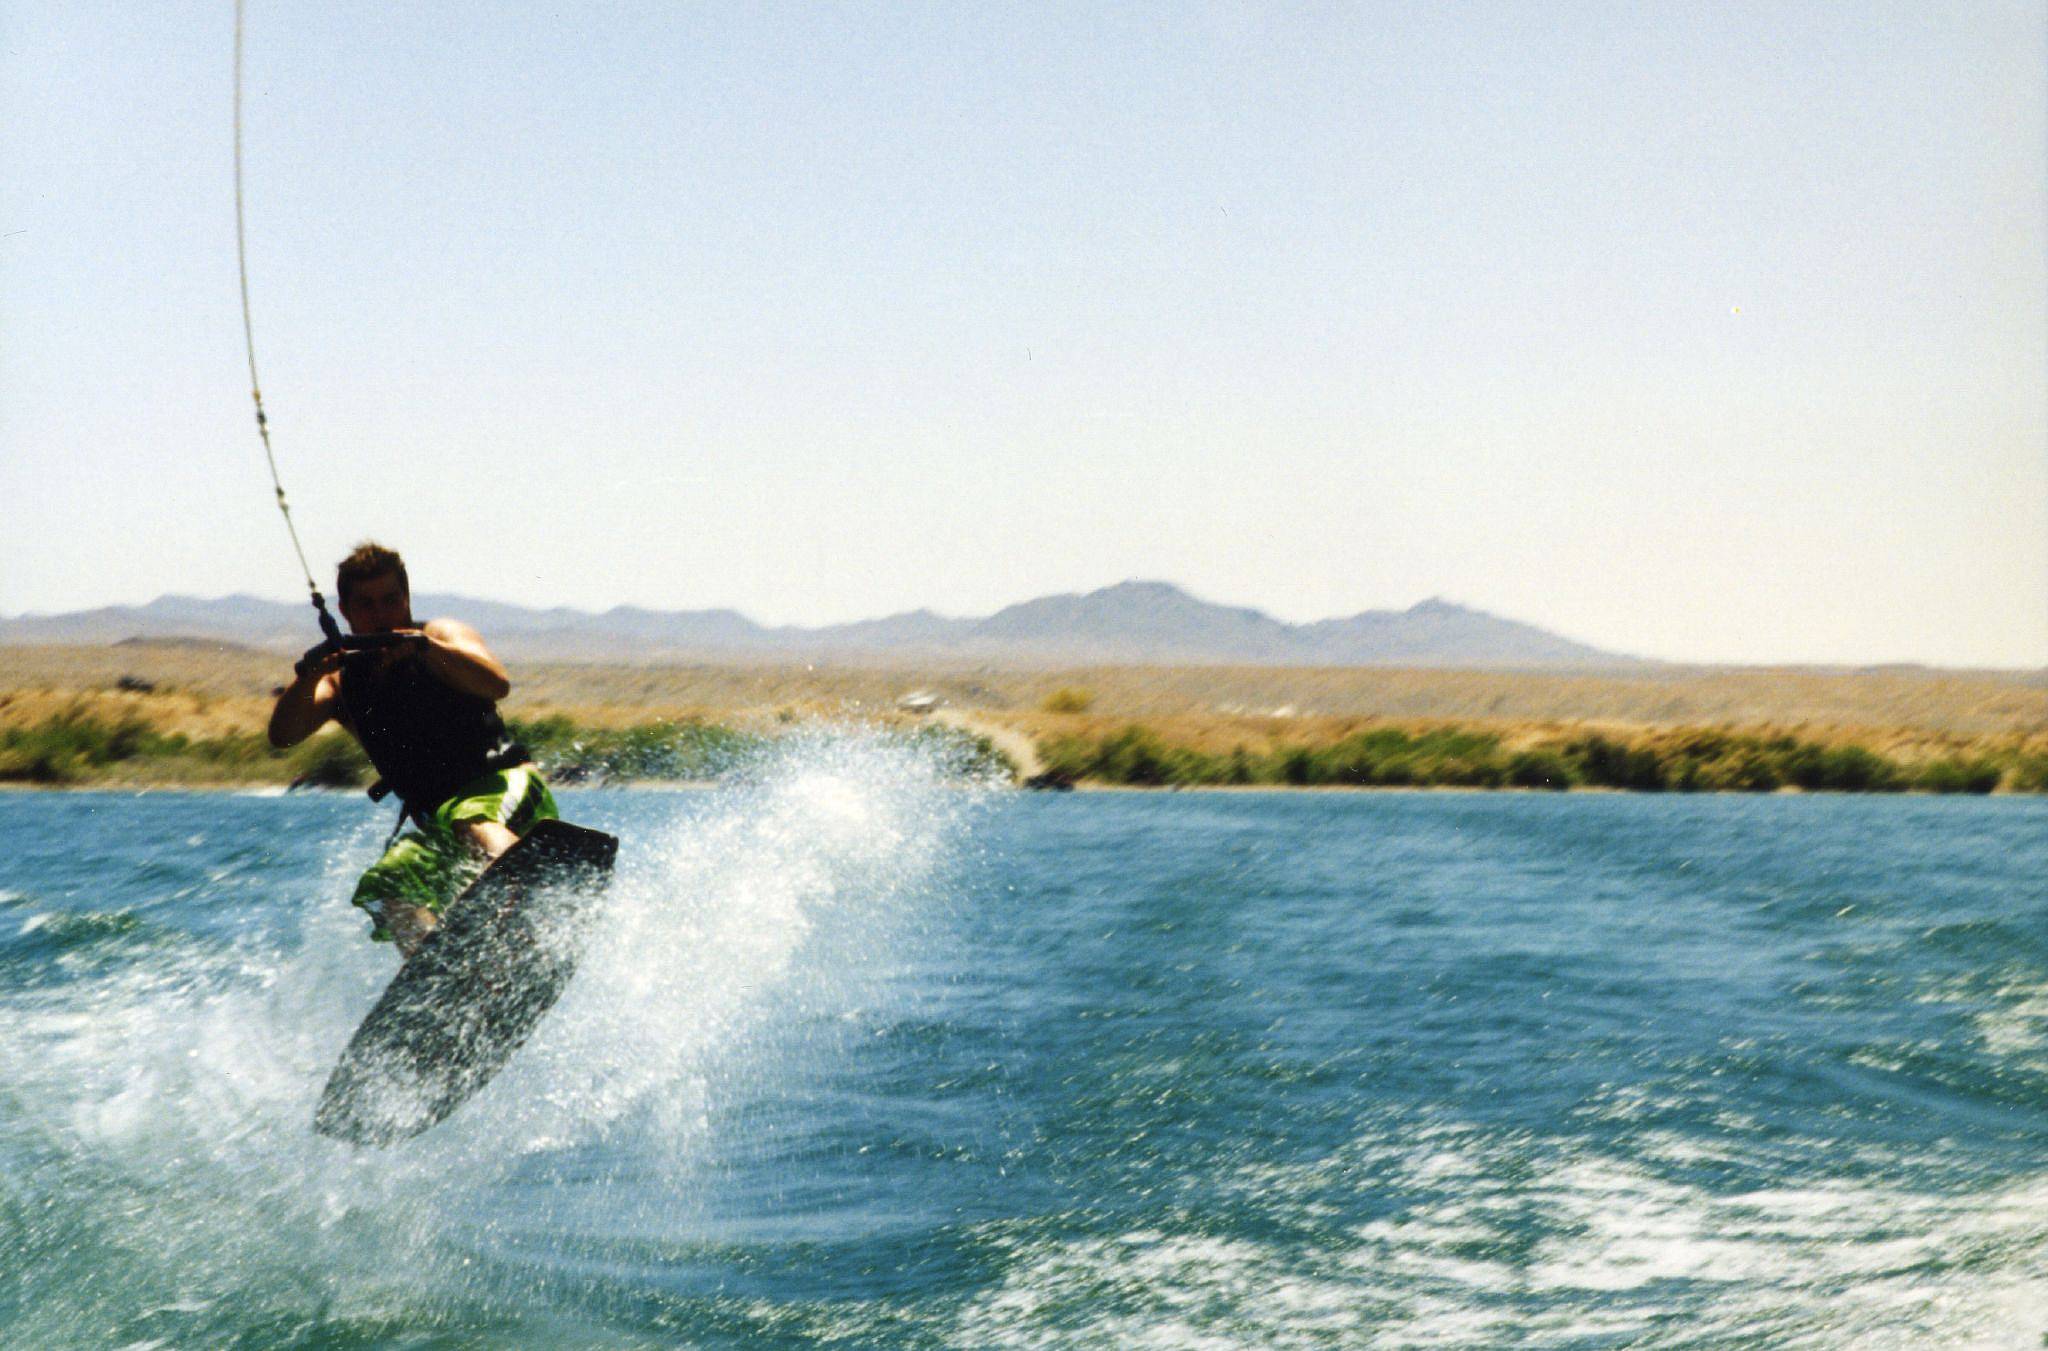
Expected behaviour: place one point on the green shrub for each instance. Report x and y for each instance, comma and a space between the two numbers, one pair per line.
1389, 757
1475, 771
1843, 769
332, 759
1748, 769
236, 752
1134, 756
1069, 699
966, 754
67, 746
1540, 769
656, 750
1069, 758
1608, 764
23, 765
1959, 776
1298, 767
1398, 771
1705, 760
2030, 774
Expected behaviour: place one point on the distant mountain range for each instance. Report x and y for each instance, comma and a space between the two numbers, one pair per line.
1132, 622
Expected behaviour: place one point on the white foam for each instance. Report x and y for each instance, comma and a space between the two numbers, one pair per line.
1620, 1250
176, 1093
780, 898
2020, 1025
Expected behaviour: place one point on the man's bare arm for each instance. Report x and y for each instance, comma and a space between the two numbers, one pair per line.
307, 703
454, 652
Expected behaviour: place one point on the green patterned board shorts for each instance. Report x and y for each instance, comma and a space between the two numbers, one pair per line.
431, 864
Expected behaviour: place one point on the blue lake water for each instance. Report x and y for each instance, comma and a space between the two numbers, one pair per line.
864, 1059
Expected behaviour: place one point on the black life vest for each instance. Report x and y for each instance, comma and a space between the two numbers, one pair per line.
425, 737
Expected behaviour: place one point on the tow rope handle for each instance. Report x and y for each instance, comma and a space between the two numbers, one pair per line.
327, 624
337, 641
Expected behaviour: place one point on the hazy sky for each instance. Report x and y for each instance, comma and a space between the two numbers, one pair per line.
1712, 331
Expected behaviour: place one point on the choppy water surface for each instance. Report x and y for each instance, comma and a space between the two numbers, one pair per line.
866, 1059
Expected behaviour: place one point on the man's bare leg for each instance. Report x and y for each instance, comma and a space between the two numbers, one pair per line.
489, 838
410, 924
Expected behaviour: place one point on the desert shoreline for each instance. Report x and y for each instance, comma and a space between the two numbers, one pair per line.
142, 716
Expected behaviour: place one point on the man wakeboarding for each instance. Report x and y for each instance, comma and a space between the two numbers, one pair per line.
423, 706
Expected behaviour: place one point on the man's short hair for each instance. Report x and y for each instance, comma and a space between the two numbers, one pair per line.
369, 560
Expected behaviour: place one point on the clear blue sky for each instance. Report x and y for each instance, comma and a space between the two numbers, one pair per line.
1712, 331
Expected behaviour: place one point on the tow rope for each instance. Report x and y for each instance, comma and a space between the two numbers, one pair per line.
327, 624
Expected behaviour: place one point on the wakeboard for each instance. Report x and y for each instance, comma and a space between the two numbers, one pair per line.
472, 992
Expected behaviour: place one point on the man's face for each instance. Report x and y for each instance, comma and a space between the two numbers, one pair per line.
378, 605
